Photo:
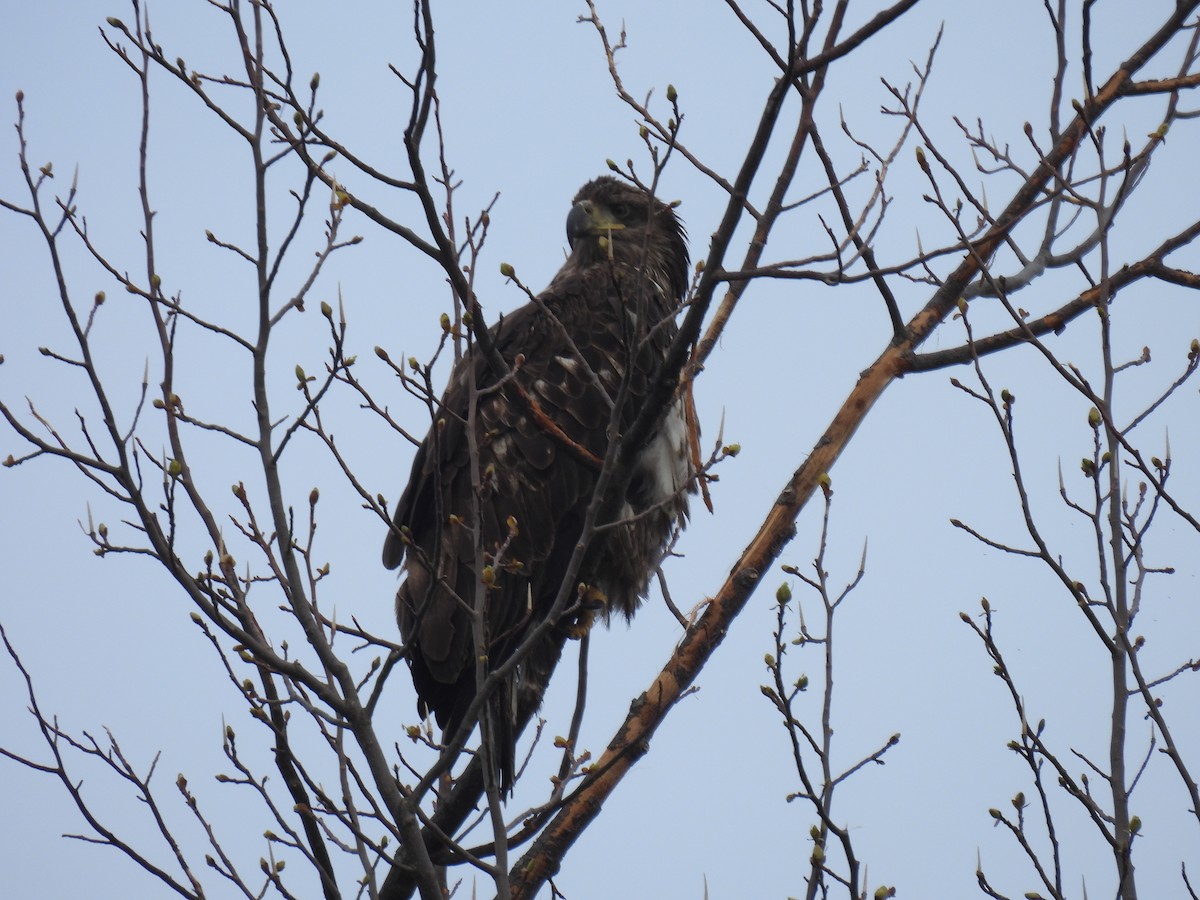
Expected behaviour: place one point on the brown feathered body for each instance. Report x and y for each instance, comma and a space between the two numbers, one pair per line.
585, 351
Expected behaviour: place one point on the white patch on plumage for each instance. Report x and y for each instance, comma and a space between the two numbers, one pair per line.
665, 459
567, 362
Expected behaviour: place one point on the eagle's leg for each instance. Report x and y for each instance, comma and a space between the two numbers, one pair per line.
592, 601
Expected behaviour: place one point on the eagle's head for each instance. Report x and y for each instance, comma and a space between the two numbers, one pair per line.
614, 220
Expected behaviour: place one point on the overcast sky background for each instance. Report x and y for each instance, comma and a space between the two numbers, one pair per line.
529, 111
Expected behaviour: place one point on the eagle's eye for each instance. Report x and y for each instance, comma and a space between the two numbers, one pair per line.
620, 210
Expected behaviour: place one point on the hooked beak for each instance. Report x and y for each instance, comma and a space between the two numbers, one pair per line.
586, 219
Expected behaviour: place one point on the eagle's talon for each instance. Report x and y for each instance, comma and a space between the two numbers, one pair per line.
593, 599
591, 602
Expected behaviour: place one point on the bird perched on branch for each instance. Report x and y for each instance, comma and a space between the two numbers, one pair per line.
492, 540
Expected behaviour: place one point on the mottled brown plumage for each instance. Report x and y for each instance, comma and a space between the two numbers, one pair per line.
606, 319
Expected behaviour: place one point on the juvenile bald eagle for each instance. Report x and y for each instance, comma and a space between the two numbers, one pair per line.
581, 359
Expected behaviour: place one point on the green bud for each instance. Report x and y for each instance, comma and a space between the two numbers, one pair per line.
784, 594
507, 270
672, 94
